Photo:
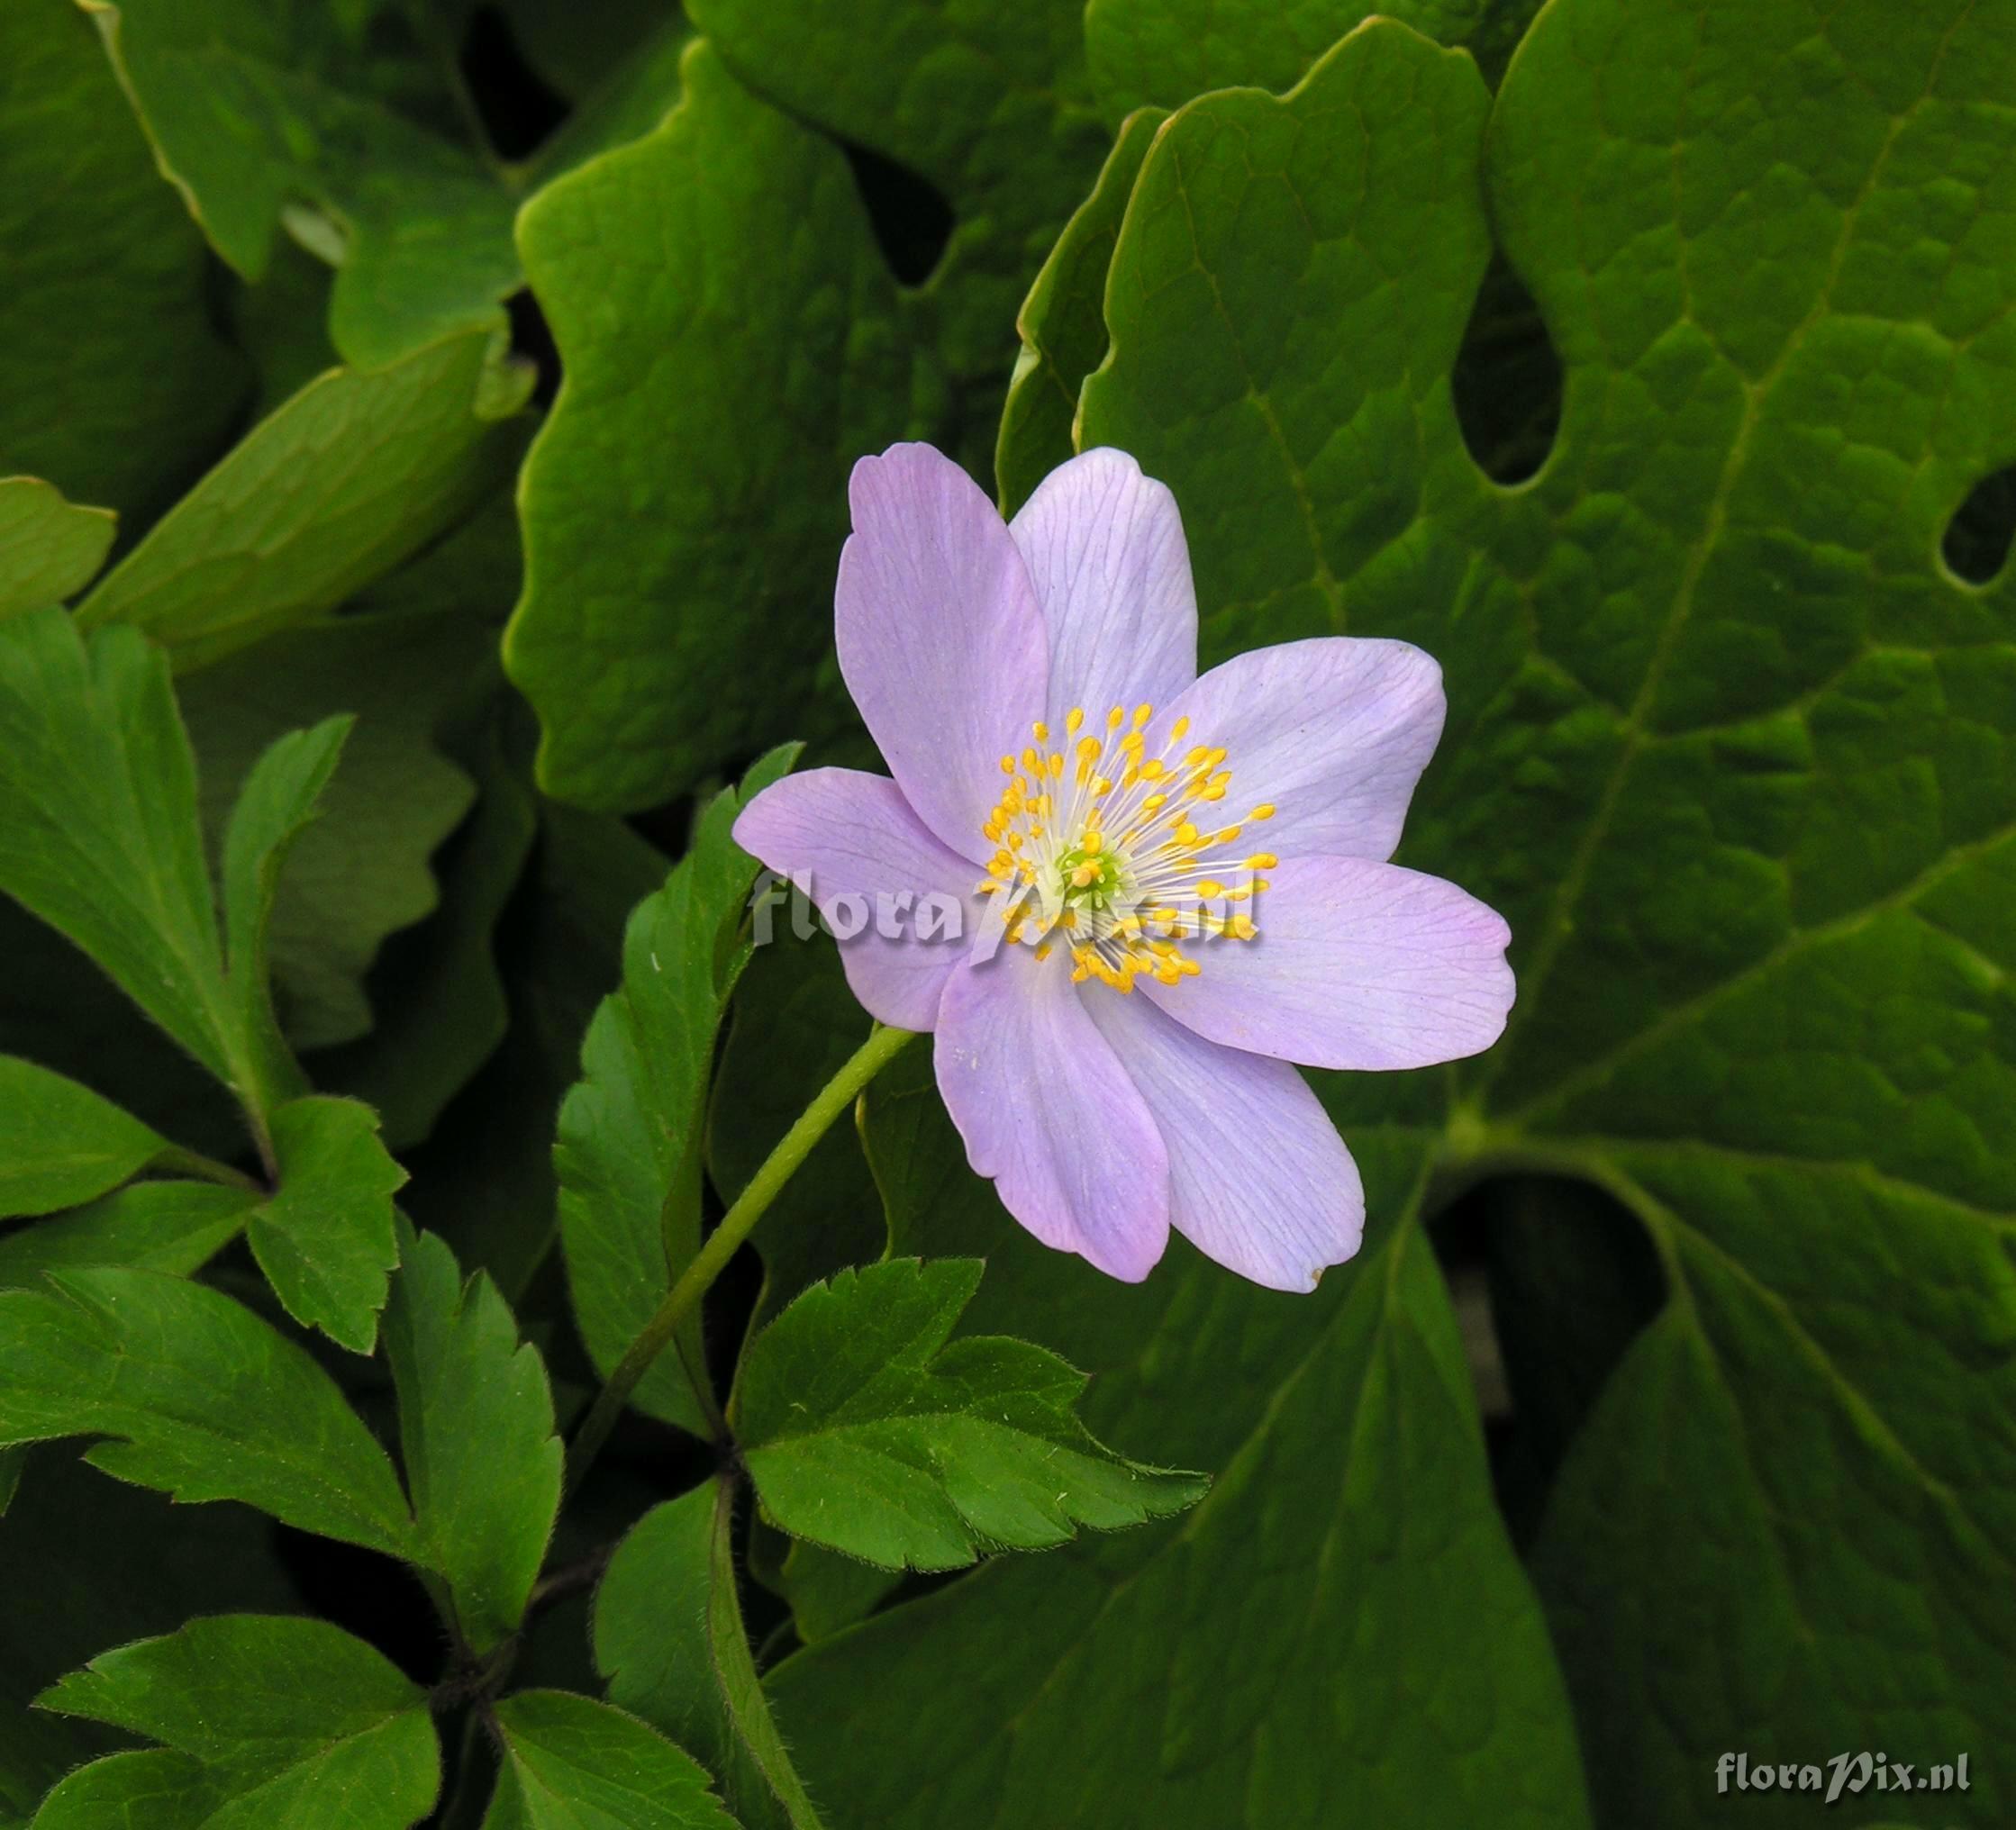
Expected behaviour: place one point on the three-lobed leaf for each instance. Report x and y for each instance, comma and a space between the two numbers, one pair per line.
866, 1429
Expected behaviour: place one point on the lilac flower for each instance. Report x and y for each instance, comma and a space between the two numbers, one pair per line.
1189, 873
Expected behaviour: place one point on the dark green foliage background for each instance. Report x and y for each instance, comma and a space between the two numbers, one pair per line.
470, 389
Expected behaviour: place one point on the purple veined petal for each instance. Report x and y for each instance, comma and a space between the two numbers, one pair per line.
1258, 1178
941, 640
842, 833
1353, 964
1332, 732
1047, 1112
1105, 550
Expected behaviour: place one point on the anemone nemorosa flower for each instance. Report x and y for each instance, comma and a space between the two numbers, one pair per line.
1174, 886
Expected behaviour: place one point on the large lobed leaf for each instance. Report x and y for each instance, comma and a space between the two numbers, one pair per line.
1731, 749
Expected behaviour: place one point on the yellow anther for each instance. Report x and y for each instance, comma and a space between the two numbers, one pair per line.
1178, 728
1056, 764
1187, 834
1227, 833
1073, 720
1265, 811
1259, 861
1210, 887
1152, 802
1241, 927
1085, 876
1088, 749
1043, 952
1007, 766
1042, 732
1142, 713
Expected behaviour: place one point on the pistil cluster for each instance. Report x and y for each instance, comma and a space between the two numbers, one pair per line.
1124, 860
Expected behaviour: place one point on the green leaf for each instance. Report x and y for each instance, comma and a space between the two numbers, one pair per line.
290, 1722
826, 1590
1348, 1562
201, 1399
441, 1008
337, 486
1728, 745
867, 1429
60, 1143
279, 797
628, 1154
98, 828
991, 104
711, 602
49, 548
113, 1563
151, 1786
475, 1430
363, 871
1149, 52
573, 1763
114, 380
484, 1179
1063, 335
668, 1638
176, 1227
270, 116
325, 1239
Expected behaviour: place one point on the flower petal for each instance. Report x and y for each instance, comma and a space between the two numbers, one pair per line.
1105, 550
1334, 732
1258, 1178
1047, 1112
941, 640
840, 832
1353, 963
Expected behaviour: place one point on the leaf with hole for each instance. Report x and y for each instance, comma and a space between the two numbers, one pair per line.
1733, 751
